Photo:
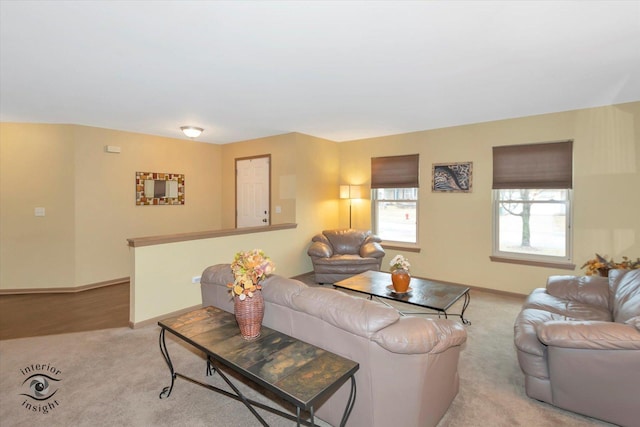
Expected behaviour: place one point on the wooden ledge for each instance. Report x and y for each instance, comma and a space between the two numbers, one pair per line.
559, 265
65, 290
182, 237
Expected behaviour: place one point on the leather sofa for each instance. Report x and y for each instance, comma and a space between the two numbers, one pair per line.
578, 345
339, 254
408, 372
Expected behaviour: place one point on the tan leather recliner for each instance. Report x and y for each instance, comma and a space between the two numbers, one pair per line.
578, 344
339, 254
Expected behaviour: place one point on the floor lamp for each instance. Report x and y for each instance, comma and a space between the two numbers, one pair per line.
350, 192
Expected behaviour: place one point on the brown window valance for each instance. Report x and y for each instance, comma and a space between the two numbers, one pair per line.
395, 171
544, 165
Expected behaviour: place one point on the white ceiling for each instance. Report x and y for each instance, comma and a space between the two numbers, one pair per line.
339, 70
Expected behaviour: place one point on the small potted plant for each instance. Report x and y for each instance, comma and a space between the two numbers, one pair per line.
601, 265
400, 274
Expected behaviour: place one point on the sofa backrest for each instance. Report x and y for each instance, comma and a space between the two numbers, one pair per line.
624, 287
346, 241
358, 316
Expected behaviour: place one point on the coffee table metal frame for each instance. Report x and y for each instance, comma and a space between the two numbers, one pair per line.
215, 361
425, 293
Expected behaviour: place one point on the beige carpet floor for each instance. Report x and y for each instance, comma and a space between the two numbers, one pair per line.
113, 377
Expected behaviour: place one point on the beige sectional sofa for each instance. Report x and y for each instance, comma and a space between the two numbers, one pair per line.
408, 372
578, 344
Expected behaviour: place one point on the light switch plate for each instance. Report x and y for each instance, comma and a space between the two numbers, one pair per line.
39, 211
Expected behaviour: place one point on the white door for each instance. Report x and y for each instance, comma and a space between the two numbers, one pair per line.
252, 192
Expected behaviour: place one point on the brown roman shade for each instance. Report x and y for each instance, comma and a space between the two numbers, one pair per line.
546, 165
395, 171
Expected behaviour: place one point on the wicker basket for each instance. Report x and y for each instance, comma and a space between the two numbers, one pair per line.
249, 313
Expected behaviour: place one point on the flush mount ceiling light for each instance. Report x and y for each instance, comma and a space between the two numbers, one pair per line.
191, 131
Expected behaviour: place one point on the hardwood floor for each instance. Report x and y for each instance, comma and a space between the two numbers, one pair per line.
28, 315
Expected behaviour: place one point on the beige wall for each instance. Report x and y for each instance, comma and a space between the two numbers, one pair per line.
82, 239
37, 169
283, 169
89, 197
455, 228
304, 183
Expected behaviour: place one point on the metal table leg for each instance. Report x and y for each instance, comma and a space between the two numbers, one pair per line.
467, 300
165, 353
350, 403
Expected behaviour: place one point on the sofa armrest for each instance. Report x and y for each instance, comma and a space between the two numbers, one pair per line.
416, 335
590, 335
592, 290
371, 250
320, 250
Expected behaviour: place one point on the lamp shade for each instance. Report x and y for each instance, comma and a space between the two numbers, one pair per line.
344, 191
350, 191
191, 131
355, 191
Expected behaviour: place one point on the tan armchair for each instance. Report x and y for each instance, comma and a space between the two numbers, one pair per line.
578, 345
339, 254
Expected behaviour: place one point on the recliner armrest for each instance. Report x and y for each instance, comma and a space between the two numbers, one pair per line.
320, 250
372, 238
371, 250
589, 335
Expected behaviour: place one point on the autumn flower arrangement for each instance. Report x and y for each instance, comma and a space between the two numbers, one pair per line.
600, 265
249, 269
399, 262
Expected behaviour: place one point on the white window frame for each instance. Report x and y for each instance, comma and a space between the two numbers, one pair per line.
375, 215
545, 259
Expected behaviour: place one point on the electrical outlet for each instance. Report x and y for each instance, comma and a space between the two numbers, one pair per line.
195, 279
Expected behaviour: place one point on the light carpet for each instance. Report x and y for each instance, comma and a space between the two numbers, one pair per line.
114, 376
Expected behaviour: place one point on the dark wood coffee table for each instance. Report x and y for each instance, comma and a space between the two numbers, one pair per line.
436, 296
297, 372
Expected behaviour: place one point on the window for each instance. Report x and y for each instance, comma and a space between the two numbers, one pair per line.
532, 201
395, 213
394, 196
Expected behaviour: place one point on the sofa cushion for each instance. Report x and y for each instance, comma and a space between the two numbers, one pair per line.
345, 260
217, 274
591, 290
625, 289
346, 241
635, 322
356, 315
280, 290
568, 309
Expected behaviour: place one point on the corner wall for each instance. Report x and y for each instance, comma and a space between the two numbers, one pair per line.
455, 229
89, 200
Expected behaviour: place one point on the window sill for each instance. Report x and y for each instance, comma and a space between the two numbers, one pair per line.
546, 264
401, 247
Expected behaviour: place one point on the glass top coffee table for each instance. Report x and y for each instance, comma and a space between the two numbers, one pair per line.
436, 296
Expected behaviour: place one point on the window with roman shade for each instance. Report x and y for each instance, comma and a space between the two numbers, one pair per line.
547, 165
394, 195
532, 202
395, 171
